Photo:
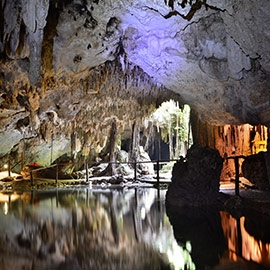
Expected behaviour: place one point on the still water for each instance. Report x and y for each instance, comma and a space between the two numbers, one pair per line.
129, 229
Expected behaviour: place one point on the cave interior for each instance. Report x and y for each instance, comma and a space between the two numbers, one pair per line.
80, 83
81, 78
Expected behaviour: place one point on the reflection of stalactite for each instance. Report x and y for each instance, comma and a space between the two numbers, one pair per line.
137, 225
114, 226
241, 243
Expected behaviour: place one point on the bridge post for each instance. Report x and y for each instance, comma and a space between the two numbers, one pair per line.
236, 163
86, 171
56, 176
158, 172
31, 178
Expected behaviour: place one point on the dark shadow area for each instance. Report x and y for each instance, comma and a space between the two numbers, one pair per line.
202, 228
257, 225
195, 179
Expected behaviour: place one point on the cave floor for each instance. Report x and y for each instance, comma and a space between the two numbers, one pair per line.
245, 192
16, 183
248, 199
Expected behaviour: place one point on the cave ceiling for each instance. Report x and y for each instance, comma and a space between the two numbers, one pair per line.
78, 62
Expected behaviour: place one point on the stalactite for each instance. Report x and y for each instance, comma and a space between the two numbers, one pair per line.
96, 95
230, 140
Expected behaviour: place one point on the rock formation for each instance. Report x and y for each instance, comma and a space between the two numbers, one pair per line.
256, 169
69, 67
195, 181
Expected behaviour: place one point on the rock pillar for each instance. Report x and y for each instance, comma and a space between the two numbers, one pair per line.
195, 180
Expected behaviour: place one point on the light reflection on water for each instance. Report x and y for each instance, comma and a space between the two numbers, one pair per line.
121, 229
127, 225
240, 242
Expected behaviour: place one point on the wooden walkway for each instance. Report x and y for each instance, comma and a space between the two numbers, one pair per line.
158, 178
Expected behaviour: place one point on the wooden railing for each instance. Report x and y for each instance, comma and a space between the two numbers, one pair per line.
87, 176
236, 165
157, 162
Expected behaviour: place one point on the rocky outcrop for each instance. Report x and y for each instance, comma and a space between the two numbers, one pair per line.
256, 168
195, 181
75, 117
214, 55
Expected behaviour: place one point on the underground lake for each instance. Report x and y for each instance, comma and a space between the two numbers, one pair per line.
125, 228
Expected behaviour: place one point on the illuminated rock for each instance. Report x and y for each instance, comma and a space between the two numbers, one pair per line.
87, 61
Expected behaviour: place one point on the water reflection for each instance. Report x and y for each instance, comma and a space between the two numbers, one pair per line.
220, 241
89, 229
243, 243
125, 229
202, 227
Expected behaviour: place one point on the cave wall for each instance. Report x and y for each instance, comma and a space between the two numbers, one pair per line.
196, 178
230, 140
75, 117
213, 55
68, 67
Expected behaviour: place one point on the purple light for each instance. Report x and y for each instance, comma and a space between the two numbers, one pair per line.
154, 43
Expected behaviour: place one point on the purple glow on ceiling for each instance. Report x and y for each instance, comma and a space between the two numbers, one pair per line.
154, 43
